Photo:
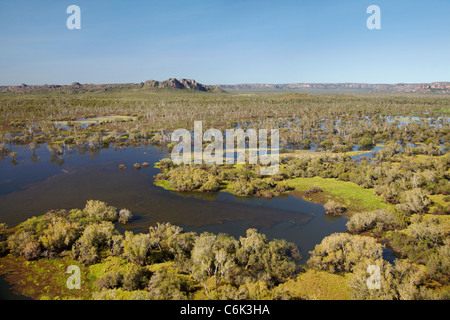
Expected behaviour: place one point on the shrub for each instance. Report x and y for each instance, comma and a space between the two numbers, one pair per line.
135, 278
313, 189
137, 247
282, 186
414, 201
100, 211
110, 280
165, 285
334, 208
400, 281
165, 236
19, 240
3, 228
117, 245
269, 261
95, 237
365, 142
60, 235
362, 221
242, 187
212, 184
3, 248
213, 255
32, 250
125, 216
341, 251
430, 230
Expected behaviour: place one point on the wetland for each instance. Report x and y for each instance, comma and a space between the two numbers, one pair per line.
365, 170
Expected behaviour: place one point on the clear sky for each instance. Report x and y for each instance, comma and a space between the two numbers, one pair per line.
224, 41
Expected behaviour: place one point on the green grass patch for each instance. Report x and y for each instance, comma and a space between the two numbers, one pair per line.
320, 285
44, 278
349, 194
165, 184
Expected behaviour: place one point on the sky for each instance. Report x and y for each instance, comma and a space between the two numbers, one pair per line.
224, 41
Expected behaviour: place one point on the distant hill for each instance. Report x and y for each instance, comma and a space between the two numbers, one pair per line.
435, 87
76, 87
192, 85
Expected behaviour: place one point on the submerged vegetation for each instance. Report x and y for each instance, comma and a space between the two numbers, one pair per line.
380, 160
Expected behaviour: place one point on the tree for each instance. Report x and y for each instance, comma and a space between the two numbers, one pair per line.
135, 278
213, 256
269, 261
400, 281
60, 234
334, 208
96, 237
341, 251
361, 221
414, 201
18, 241
125, 216
166, 285
100, 211
137, 247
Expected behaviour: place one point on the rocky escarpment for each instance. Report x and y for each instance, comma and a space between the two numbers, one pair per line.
173, 83
434, 87
76, 87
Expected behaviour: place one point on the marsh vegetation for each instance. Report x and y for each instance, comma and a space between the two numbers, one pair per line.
381, 161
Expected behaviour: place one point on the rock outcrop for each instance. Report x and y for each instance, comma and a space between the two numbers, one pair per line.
76, 87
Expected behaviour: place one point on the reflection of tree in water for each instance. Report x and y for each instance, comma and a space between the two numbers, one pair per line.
210, 196
35, 158
59, 160
331, 218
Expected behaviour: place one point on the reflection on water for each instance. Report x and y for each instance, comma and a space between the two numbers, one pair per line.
38, 182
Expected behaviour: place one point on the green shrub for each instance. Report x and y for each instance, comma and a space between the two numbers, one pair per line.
342, 251
125, 216
242, 187
95, 238
137, 247
100, 211
334, 208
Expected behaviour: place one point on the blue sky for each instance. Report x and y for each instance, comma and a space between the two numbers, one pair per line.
224, 41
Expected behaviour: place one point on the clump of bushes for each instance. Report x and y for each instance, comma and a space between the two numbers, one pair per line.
342, 251
380, 220
83, 232
334, 208
313, 190
100, 211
